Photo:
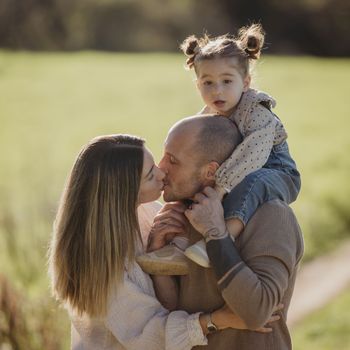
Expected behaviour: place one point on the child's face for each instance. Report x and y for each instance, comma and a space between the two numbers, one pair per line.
221, 84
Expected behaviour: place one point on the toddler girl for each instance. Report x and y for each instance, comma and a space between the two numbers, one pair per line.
260, 169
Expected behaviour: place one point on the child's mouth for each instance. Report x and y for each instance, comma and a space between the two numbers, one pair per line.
219, 103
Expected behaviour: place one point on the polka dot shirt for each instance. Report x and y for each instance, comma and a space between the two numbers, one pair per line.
261, 130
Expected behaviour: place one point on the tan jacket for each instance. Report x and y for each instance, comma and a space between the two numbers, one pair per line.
269, 251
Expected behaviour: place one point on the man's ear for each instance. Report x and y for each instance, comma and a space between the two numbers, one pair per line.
210, 170
246, 82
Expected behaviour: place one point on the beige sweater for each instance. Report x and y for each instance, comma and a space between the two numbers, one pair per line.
260, 129
270, 247
135, 319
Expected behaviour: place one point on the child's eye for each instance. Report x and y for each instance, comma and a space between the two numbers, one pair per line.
150, 178
227, 81
207, 82
172, 160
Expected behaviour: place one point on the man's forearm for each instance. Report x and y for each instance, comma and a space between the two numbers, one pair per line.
225, 258
251, 292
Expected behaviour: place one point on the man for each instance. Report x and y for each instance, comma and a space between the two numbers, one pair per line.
251, 275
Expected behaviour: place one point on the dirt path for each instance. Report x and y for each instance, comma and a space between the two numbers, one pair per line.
319, 281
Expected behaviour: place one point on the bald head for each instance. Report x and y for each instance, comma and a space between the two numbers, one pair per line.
207, 137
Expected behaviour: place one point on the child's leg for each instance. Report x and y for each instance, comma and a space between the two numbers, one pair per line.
280, 159
257, 188
278, 179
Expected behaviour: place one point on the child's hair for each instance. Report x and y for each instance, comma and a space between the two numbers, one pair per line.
245, 47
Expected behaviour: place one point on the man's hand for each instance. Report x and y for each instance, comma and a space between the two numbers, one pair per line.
206, 214
225, 318
169, 222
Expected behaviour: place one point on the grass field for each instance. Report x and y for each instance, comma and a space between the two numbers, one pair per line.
51, 104
326, 329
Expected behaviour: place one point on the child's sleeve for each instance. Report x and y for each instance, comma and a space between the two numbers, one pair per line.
252, 153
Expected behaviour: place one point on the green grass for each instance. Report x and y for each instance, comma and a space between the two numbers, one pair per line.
326, 329
53, 103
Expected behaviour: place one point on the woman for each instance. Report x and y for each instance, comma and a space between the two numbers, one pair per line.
104, 216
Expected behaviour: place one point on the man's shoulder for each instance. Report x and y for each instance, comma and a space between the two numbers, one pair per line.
274, 230
273, 218
275, 206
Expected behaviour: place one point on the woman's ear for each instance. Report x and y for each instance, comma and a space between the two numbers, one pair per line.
246, 82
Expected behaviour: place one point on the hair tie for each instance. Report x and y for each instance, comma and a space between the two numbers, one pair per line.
195, 51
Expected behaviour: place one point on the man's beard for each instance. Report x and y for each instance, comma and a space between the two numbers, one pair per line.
194, 187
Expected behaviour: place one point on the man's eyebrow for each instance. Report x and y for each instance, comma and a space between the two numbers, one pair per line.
149, 171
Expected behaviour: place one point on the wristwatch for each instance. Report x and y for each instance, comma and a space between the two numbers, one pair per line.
211, 327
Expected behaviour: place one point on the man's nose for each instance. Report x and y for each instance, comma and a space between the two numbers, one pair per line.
160, 174
162, 166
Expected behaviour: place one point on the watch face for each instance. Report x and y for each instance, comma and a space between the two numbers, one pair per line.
211, 328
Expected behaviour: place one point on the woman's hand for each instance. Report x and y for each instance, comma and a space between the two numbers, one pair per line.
169, 222
224, 318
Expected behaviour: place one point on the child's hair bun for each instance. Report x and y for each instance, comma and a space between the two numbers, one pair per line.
190, 48
251, 40
192, 45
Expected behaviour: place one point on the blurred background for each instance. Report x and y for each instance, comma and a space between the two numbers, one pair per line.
74, 69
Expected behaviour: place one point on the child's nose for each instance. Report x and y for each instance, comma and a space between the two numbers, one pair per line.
217, 89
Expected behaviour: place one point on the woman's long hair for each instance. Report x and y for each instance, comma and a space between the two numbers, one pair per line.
96, 228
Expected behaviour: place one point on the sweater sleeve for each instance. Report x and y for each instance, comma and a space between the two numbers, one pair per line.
254, 279
258, 131
139, 321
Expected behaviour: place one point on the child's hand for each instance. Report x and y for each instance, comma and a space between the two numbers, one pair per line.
220, 191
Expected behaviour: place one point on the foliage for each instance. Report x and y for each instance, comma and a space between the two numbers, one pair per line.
303, 26
326, 329
29, 325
